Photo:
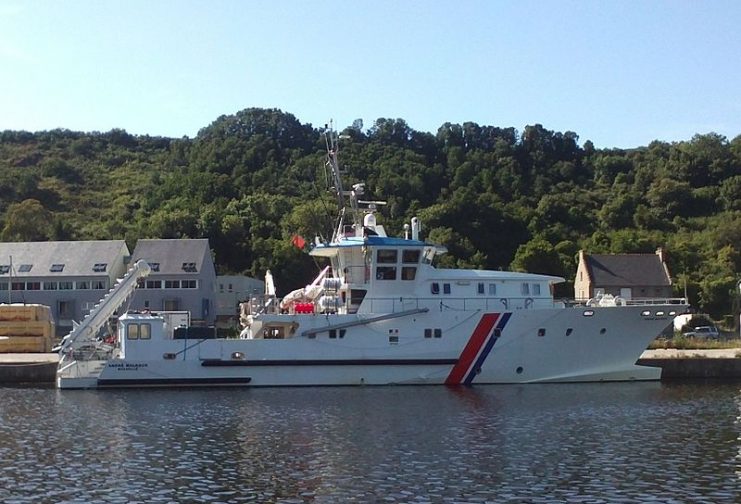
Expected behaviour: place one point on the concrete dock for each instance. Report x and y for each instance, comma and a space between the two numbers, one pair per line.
692, 364
28, 367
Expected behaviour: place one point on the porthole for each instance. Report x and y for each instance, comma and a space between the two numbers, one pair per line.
602, 331
237, 356
672, 313
659, 313
541, 332
588, 313
169, 356
519, 370
569, 331
497, 332
645, 313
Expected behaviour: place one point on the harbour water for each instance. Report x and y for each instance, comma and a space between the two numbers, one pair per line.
582, 443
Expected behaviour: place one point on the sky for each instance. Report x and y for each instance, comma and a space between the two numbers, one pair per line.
620, 73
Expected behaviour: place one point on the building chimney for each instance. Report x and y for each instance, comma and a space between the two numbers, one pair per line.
662, 255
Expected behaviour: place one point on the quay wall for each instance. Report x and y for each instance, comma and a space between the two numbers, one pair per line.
28, 368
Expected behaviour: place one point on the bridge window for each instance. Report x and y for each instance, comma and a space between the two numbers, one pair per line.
386, 256
139, 331
386, 273
525, 289
480, 288
492, 289
410, 256
435, 288
446, 288
536, 289
408, 272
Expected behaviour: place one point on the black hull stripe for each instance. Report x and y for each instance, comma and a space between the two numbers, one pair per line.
329, 362
138, 382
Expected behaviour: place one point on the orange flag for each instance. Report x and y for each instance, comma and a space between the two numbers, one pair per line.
298, 241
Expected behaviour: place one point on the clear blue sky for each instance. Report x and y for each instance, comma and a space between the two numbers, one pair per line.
620, 72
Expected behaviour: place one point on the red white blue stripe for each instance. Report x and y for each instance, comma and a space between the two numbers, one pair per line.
479, 345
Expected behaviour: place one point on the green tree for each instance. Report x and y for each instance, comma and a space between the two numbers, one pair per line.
27, 221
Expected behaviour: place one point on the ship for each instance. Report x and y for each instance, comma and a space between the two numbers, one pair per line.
378, 313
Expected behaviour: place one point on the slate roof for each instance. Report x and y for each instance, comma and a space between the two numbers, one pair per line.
625, 270
174, 256
78, 258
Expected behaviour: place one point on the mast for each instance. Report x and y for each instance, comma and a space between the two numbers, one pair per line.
332, 142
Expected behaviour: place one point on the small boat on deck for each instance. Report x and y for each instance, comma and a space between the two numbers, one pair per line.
379, 313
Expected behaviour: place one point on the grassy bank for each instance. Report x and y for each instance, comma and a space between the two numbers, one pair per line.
684, 343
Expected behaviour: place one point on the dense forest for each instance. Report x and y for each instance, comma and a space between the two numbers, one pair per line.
496, 197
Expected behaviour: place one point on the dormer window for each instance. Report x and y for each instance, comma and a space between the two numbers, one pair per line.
25, 268
56, 268
100, 267
4, 269
154, 266
190, 267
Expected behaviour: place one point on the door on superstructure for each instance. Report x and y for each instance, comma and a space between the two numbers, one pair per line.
626, 293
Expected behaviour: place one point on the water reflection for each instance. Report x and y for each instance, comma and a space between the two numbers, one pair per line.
535, 443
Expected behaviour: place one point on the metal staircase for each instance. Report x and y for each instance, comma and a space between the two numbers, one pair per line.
84, 333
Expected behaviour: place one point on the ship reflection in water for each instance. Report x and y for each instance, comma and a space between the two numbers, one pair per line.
619, 442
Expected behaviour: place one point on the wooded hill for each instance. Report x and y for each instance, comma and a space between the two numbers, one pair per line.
496, 197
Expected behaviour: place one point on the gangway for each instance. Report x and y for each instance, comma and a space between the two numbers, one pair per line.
84, 333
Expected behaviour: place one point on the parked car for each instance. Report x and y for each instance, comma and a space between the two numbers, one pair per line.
702, 332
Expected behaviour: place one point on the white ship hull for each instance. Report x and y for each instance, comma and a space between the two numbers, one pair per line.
524, 346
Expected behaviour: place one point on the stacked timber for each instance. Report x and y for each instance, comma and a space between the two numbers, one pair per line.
25, 328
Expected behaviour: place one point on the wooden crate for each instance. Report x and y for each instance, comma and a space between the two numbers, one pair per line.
25, 328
